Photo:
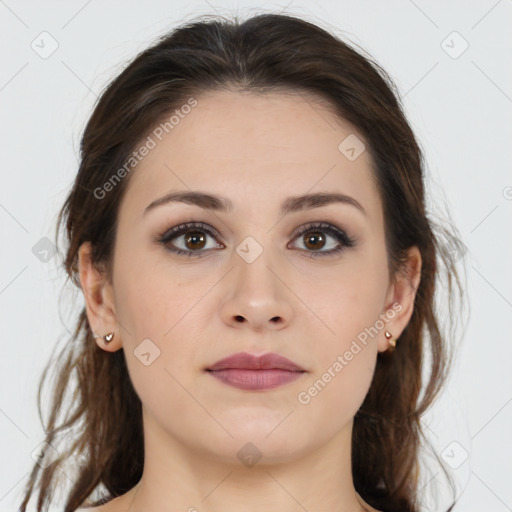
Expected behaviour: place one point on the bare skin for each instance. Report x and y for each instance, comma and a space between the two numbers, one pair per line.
256, 151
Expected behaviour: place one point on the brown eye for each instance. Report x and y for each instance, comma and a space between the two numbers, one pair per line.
195, 240
323, 239
190, 239
314, 240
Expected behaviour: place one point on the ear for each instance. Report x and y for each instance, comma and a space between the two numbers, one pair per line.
400, 297
99, 299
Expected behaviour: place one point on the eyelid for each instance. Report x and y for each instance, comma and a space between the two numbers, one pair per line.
344, 240
190, 226
316, 225
339, 234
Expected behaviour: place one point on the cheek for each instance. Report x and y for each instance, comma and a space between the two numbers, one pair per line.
346, 299
336, 391
159, 338
145, 309
151, 297
160, 316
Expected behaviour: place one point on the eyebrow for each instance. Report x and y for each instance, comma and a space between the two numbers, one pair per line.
223, 204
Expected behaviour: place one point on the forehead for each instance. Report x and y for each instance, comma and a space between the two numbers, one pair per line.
254, 148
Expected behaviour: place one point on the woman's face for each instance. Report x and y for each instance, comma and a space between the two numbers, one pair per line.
247, 281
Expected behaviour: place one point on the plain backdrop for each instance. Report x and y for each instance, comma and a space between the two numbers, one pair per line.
451, 62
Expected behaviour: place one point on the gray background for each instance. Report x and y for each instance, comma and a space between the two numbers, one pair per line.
459, 104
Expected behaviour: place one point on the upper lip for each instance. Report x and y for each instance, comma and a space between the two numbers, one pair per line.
244, 360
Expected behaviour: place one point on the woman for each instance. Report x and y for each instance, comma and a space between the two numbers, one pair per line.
248, 225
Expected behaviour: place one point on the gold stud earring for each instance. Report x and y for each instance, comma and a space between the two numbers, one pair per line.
107, 338
392, 342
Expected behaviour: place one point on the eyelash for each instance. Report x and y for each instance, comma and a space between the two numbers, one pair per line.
341, 237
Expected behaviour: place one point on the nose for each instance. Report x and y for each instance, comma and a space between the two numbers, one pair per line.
256, 296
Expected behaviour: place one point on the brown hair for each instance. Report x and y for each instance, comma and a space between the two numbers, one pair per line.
263, 53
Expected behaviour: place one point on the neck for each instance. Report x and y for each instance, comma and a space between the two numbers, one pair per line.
194, 479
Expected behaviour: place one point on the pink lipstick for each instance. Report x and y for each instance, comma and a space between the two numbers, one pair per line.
255, 373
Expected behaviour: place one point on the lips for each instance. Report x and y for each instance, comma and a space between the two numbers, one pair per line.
246, 361
256, 373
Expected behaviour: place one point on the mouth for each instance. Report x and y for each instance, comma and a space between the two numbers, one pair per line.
256, 373
256, 380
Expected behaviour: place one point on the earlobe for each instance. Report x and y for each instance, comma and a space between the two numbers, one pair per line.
401, 298
98, 296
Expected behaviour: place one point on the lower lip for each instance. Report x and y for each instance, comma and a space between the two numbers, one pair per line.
255, 380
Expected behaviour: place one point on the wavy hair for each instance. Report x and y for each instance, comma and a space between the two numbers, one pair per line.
264, 53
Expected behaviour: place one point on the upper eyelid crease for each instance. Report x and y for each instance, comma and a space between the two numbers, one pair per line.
340, 234
289, 205
190, 226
